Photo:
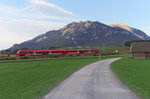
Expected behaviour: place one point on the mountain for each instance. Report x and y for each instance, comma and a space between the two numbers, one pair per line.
86, 33
134, 31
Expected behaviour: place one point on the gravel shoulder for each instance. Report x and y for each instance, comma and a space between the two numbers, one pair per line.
94, 81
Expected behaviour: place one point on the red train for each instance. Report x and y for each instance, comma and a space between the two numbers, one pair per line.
56, 51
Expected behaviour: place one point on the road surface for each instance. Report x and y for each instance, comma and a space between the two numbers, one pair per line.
95, 81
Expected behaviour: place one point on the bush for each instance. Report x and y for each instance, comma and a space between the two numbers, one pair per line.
12, 58
78, 54
70, 55
24, 57
55, 56
94, 54
9, 58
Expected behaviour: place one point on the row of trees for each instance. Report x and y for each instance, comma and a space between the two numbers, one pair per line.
128, 43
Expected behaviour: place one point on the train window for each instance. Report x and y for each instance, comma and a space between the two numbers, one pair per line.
37, 52
62, 51
84, 50
57, 51
43, 52
46, 52
71, 51
30, 52
26, 52
93, 50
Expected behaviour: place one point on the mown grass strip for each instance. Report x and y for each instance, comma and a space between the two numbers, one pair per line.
135, 73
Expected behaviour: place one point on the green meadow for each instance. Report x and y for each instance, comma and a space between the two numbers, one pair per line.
135, 73
33, 79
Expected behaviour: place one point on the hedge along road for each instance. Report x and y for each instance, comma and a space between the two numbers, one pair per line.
95, 81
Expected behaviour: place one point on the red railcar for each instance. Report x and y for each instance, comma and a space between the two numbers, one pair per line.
56, 51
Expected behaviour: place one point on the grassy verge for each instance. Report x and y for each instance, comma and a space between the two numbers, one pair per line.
135, 73
29, 80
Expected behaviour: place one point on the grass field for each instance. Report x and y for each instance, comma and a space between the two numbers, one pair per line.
32, 79
135, 73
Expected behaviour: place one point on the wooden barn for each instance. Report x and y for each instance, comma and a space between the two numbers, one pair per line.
140, 50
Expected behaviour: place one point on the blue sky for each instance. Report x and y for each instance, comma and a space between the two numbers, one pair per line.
21, 20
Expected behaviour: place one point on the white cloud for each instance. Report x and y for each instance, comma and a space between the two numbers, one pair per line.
42, 3
5, 45
21, 24
28, 26
25, 28
19, 30
37, 9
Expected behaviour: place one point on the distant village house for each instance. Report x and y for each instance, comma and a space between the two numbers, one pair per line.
140, 50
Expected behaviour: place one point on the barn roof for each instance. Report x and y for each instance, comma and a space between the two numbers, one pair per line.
140, 47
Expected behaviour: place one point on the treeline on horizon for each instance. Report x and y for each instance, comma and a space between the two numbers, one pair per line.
128, 43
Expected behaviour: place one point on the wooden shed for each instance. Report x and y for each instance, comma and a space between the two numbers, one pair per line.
140, 50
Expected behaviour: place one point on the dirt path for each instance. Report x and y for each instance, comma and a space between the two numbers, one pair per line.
95, 81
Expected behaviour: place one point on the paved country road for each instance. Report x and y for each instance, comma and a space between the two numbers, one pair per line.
95, 81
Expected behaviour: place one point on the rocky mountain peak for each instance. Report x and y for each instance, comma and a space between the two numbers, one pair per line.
43, 37
121, 25
134, 31
87, 24
76, 26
